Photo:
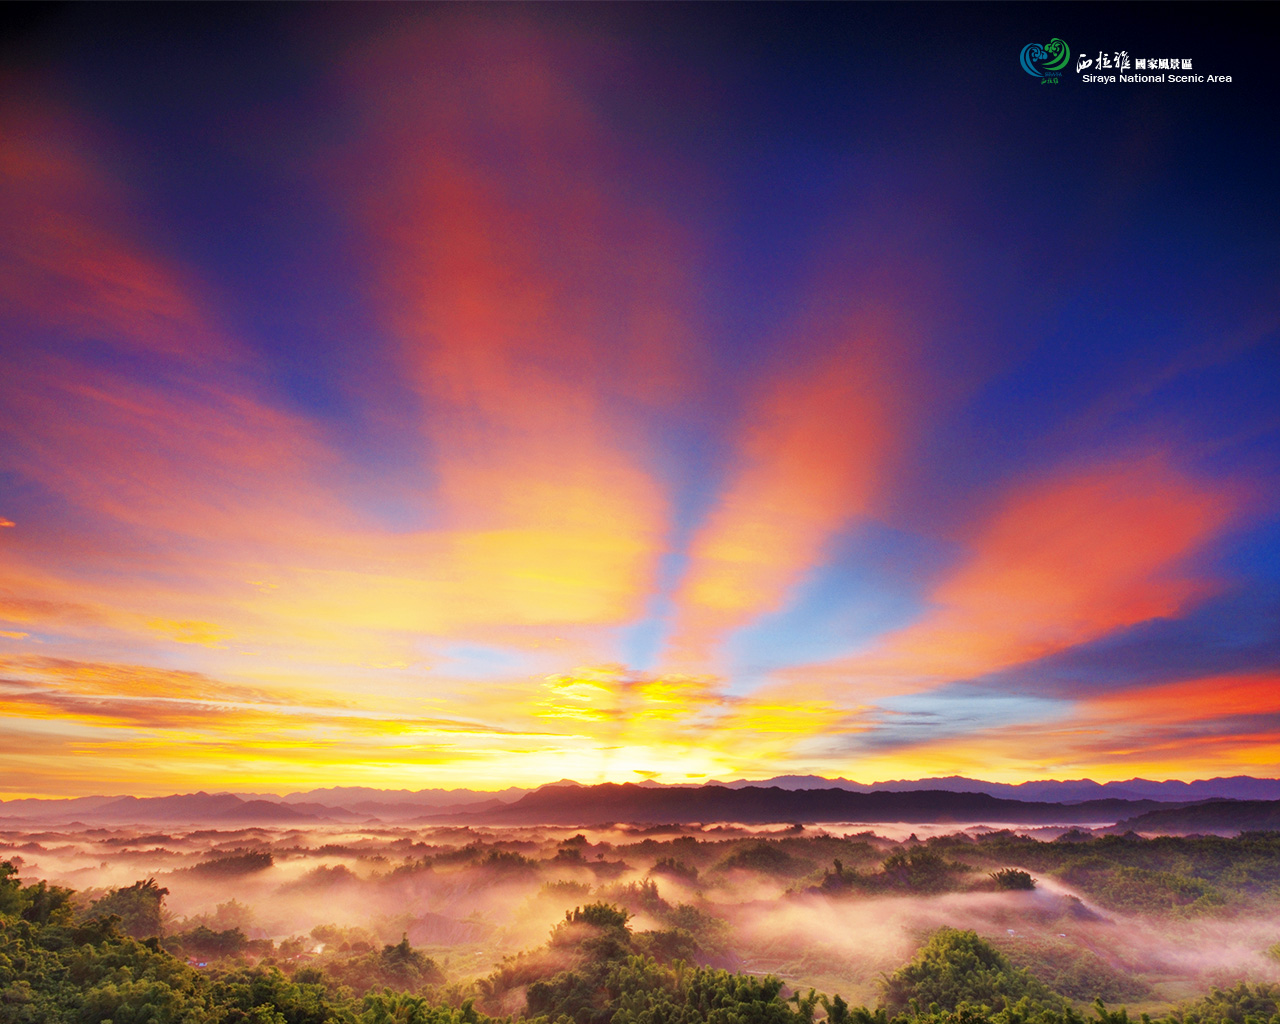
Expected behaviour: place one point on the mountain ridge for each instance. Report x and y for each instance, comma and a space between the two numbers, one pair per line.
634, 803
358, 804
1236, 787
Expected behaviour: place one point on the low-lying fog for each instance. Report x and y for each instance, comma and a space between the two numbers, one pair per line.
470, 896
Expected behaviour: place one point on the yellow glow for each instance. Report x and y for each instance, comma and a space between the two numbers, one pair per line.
190, 631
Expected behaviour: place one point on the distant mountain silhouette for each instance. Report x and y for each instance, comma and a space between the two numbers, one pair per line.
631, 802
1240, 787
185, 809
353, 796
201, 808
393, 806
805, 798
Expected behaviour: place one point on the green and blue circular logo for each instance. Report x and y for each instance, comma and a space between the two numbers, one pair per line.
1045, 59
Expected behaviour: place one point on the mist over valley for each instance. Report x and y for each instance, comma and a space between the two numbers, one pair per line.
1079, 912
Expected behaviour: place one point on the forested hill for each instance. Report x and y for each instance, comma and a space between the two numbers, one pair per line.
1209, 816
629, 802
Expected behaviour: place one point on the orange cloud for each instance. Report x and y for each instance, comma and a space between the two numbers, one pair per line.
98, 678
1060, 562
812, 458
537, 303
1190, 701
185, 723
27, 609
189, 459
1066, 561
540, 516
190, 631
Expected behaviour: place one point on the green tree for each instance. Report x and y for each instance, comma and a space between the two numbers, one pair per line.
138, 907
957, 967
1012, 878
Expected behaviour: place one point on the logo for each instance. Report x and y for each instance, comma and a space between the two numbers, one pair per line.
1046, 60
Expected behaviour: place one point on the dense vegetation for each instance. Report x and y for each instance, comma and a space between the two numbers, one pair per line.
1177, 876
66, 958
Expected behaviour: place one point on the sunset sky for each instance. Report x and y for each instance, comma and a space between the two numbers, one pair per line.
476, 396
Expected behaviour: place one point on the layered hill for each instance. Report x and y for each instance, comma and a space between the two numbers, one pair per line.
1210, 816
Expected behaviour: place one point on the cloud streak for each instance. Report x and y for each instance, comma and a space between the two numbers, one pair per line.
810, 459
